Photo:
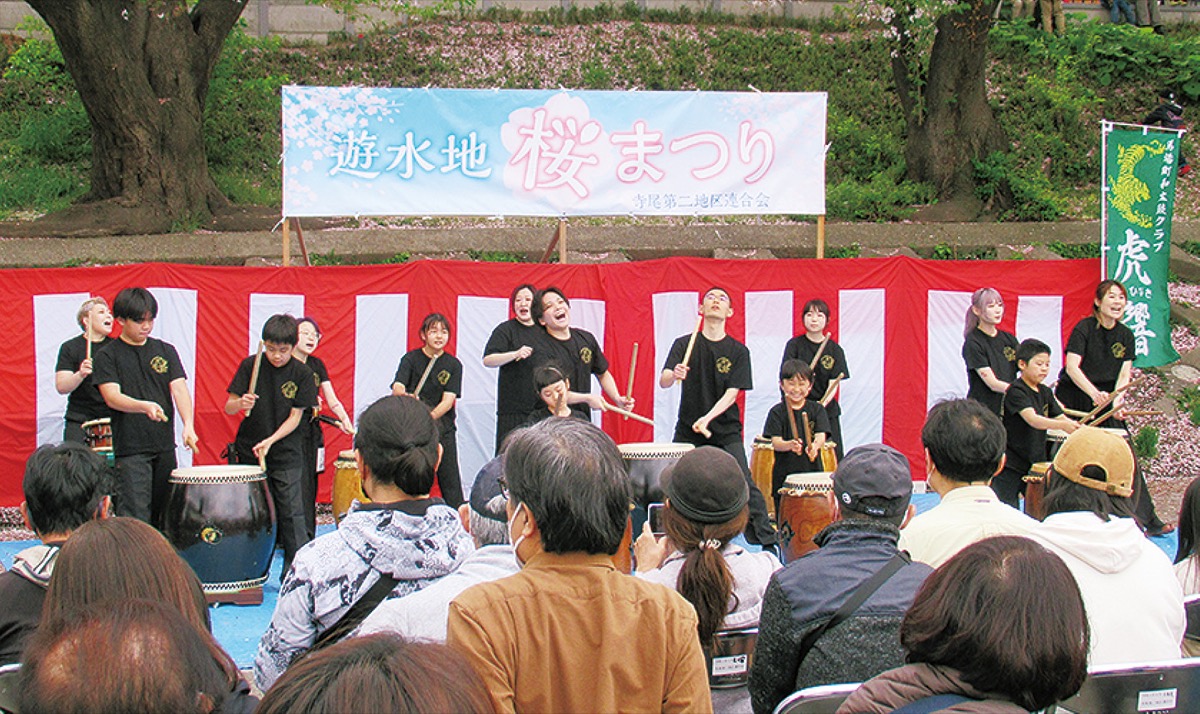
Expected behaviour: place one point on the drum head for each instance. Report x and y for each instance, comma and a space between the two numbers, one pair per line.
222, 473
816, 481
647, 450
96, 422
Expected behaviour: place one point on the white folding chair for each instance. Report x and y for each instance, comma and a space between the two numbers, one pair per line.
1159, 687
823, 699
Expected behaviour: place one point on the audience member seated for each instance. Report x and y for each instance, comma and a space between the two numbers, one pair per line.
422, 615
964, 448
1000, 628
378, 673
65, 486
1187, 567
124, 559
122, 656
571, 633
402, 535
872, 488
1134, 603
706, 497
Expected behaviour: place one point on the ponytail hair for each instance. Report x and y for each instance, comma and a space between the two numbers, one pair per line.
705, 579
980, 299
398, 441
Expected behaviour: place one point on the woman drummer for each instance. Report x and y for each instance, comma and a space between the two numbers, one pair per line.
990, 353
508, 348
1098, 362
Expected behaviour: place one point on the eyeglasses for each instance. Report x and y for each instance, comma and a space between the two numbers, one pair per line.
503, 484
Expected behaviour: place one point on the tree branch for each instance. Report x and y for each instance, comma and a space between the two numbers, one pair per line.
212, 21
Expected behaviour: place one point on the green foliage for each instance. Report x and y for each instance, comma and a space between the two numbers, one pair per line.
45, 188
188, 223
1033, 195
946, 251
1075, 251
496, 256
1145, 442
330, 258
1188, 401
1191, 246
843, 251
881, 198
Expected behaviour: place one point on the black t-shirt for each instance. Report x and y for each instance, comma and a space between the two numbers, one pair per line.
578, 357
279, 390
514, 385
22, 600
1026, 445
446, 376
789, 462
142, 371
714, 368
1103, 353
310, 424
85, 402
831, 364
1000, 353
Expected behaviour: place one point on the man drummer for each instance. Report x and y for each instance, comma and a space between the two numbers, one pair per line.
713, 368
73, 372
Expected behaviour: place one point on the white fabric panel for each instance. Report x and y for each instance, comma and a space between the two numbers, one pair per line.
380, 340
1040, 317
589, 315
53, 324
768, 328
861, 321
176, 323
675, 314
477, 317
264, 305
947, 373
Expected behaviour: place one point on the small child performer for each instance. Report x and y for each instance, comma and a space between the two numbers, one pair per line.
794, 451
1029, 410
827, 360
434, 376
270, 431
552, 388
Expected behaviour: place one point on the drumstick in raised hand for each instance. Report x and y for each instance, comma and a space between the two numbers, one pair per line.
687, 354
1073, 412
825, 400
627, 414
254, 372
1108, 400
632, 371
820, 350
424, 376
807, 430
792, 420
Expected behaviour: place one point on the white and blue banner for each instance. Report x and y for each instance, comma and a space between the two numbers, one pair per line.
373, 151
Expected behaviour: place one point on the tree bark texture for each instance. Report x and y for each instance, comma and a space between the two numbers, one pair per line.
955, 123
142, 69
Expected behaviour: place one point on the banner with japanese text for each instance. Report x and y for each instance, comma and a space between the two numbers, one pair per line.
1139, 198
362, 151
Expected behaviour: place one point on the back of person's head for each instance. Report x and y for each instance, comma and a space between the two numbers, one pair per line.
538, 309
64, 486
135, 304
570, 476
1008, 615
1189, 521
965, 440
873, 481
486, 516
1030, 348
281, 330
795, 368
121, 656
980, 299
379, 673
706, 508
119, 559
1092, 471
398, 441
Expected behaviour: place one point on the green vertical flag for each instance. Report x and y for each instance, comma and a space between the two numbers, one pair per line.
1139, 197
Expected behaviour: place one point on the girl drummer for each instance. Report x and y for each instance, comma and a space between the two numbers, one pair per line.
1098, 362
827, 361
509, 348
990, 353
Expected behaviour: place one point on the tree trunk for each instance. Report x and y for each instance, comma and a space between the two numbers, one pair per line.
954, 124
142, 69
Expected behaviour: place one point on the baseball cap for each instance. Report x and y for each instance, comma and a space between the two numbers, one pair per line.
487, 487
706, 485
877, 472
1090, 446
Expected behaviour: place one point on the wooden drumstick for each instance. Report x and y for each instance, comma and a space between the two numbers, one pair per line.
820, 351
625, 413
792, 420
687, 354
1109, 400
632, 371
558, 402
1073, 412
807, 429
424, 376
87, 338
825, 400
254, 372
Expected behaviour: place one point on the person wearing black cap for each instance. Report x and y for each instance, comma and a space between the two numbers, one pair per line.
422, 615
705, 508
857, 581
1169, 115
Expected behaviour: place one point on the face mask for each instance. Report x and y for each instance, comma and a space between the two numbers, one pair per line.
519, 540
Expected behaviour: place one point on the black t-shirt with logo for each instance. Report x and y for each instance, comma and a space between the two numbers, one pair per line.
1103, 353
446, 376
145, 372
1026, 445
85, 402
514, 386
789, 462
309, 423
1000, 353
279, 390
578, 357
714, 368
829, 366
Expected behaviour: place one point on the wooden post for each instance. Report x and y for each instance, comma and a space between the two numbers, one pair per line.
561, 237
303, 245
820, 237
287, 248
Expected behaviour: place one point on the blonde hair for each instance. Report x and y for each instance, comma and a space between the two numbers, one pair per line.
87, 306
